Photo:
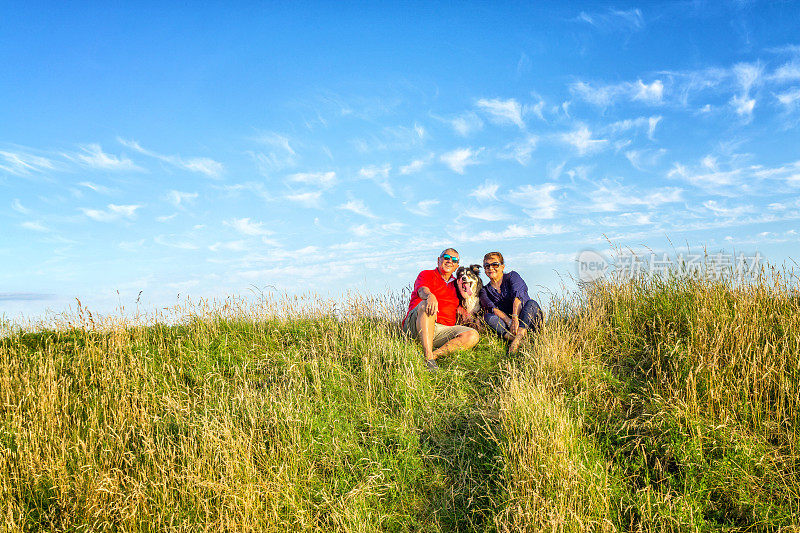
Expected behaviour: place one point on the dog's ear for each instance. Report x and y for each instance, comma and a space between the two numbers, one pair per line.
476, 269
459, 271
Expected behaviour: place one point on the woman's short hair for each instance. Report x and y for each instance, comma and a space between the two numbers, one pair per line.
494, 254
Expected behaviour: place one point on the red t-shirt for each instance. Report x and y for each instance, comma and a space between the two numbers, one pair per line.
445, 292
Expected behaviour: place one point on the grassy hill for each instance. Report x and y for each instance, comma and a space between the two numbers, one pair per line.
661, 405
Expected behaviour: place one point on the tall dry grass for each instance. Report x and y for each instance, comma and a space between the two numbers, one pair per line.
650, 405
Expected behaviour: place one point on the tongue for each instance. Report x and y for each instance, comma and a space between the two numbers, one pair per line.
467, 288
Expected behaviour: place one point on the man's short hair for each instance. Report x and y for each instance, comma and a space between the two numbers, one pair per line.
449, 250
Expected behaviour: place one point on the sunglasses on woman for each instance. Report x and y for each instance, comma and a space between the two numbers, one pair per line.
448, 257
495, 264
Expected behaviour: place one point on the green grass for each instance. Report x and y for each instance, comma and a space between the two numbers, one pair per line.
658, 405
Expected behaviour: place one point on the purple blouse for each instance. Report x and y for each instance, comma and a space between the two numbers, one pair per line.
511, 287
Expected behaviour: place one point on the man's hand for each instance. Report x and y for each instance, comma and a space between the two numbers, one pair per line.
514, 327
431, 305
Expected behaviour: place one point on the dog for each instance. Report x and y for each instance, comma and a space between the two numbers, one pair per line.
469, 283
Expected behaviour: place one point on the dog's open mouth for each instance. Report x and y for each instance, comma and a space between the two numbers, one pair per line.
466, 288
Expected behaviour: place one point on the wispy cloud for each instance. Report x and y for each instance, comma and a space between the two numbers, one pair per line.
466, 124
373, 230
514, 231
17, 206
247, 227
92, 155
612, 196
609, 94
538, 200
424, 208
35, 225
485, 192
487, 214
309, 199
413, 167
325, 180
358, 207
114, 212
23, 163
721, 210
175, 241
254, 187
502, 111
614, 19
380, 175
279, 154
643, 159
230, 246
652, 93
102, 189
582, 140
178, 198
201, 165
458, 160
521, 150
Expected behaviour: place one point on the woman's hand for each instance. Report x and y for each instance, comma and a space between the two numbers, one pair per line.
431, 305
514, 326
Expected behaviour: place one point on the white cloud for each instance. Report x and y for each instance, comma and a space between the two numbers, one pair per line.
35, 226
92, 155
165, 218
358, 207
373, 230
254, 187
728, 212
614, 20
458, 160
424, 208
413, 167
375, 172
743, 105
325, 180
306, 199
231, 246
790, 98
521, 150
612, 196
651, 94
538, 200
22, 164
486, 192
514, 231
380, 175
642, 159
582, 140
177, 198
281, 156
787, 72
102, 189
503, 111
114, 212
17, 206
247, 227
488, 214
175, 241
466, 124
652, 122
202, 165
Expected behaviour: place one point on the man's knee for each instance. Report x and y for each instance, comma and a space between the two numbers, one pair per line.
470, 338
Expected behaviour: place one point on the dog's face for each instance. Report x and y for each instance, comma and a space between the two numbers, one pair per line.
468, 280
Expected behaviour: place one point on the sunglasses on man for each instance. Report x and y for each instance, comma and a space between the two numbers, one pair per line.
495, 264
448, 257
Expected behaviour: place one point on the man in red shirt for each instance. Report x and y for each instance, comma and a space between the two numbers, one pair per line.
433, 309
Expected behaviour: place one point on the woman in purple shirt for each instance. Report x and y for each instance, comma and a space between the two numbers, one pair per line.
508, 309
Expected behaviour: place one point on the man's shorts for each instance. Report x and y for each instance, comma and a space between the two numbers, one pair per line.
441, 333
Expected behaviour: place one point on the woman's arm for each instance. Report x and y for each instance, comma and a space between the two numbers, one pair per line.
516, 308
504, 317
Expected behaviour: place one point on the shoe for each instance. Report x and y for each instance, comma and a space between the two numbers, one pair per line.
431, 365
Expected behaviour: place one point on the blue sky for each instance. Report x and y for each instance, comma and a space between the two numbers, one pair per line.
207, 150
